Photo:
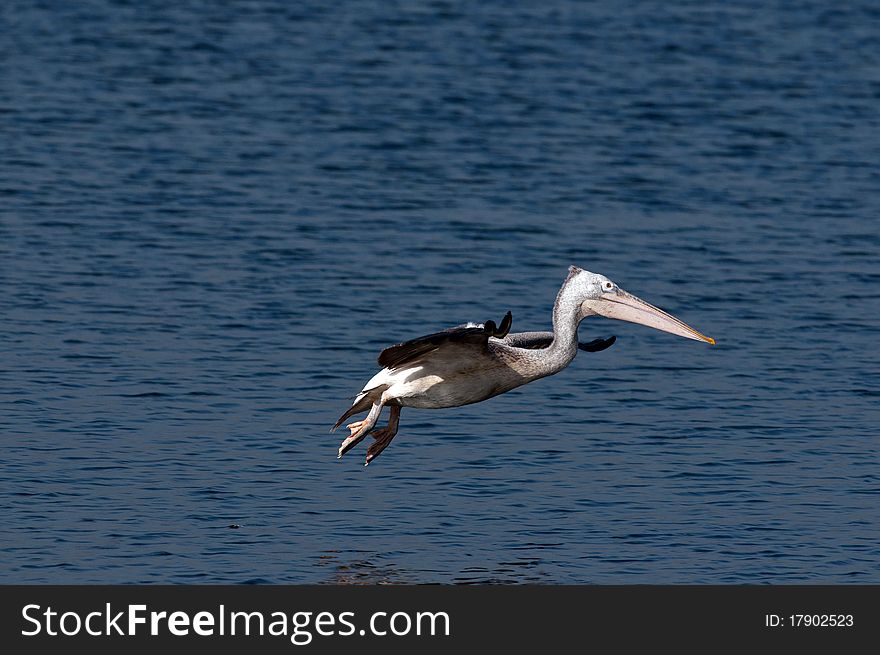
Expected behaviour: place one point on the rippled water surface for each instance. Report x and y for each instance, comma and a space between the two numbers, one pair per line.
214, 215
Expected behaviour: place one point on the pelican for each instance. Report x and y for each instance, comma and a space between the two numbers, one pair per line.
476, 361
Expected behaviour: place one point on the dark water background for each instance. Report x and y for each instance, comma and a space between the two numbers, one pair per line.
214, 215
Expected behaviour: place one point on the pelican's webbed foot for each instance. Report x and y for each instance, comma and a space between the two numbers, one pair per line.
359, 429
358, 432
383, 437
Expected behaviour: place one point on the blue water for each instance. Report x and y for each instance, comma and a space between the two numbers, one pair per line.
214, 215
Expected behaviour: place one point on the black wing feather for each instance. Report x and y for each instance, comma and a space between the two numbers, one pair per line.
597, 345
409, 350
541, 340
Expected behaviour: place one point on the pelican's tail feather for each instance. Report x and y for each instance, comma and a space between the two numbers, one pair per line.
362, 403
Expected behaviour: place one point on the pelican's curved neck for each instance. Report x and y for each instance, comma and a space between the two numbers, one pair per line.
566, 317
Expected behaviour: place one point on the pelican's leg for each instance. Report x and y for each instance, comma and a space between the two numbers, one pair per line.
359, 429
383, 436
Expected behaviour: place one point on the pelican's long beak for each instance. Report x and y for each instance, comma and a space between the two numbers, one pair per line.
626, 307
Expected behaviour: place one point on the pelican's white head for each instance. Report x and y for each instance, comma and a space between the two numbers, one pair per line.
596, 294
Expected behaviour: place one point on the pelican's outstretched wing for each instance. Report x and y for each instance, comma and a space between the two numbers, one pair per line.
537, 340
476, 334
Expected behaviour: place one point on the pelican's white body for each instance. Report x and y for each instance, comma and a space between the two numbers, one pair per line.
448, 377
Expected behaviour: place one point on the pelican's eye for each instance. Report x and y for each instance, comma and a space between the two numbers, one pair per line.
607, 285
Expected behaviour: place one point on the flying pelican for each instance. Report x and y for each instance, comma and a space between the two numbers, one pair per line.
473, 362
